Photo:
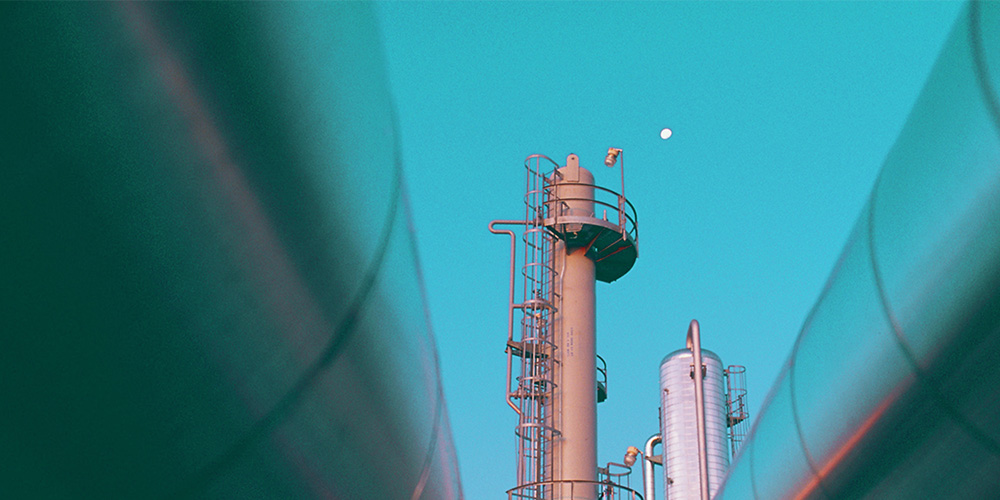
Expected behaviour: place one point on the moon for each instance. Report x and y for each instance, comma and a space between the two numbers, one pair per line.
666, 133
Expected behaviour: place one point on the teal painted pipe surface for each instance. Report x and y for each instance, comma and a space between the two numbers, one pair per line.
890, 389
210, 282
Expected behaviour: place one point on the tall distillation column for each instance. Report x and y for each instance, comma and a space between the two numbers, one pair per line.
574, 452
554, 386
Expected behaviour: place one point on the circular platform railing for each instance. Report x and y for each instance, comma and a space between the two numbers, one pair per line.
612, 203
578, 490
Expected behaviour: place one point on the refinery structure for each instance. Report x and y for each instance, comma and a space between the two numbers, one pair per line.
888, 391
214, 290
574, 234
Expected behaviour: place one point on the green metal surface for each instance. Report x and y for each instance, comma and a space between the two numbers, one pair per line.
889, 391
210, 287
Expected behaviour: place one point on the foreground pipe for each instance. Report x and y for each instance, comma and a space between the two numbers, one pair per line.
890, 388
213, 289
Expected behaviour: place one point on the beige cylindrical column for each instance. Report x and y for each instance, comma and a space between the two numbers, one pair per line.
574, 451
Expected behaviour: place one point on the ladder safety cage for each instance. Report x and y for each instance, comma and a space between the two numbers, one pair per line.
535, 348
737, 413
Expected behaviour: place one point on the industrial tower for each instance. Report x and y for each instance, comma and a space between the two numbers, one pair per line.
575, 233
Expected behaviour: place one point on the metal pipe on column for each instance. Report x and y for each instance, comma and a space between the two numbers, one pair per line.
510, 301
648, 476
694, 344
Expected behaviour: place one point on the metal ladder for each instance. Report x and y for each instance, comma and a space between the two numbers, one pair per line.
737, 416
535, 348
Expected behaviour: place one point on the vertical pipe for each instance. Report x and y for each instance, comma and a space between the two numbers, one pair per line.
694, 343
648, 476
510, 299
621, 198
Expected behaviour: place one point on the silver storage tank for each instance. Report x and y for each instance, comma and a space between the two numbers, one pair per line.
679, 428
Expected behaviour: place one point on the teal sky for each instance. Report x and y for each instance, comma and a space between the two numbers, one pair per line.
782, 115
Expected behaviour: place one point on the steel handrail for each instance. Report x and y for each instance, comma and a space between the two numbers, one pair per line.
623, 215
603, 370
631, 229
633, 495
600, 188
629, 218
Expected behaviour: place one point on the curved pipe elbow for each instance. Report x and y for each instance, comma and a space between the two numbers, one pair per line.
648, 477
